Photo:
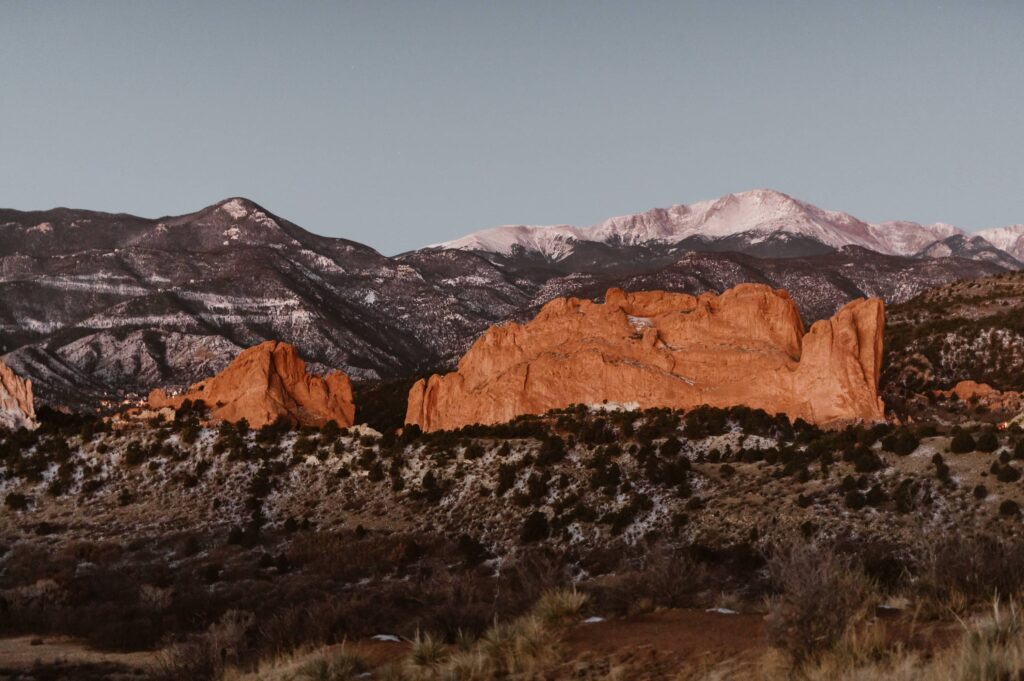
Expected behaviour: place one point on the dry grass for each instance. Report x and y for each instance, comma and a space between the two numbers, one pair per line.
330, 665
522, 648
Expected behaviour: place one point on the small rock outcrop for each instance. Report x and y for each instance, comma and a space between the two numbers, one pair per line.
17, 409
267, 382
984, 394
746, 346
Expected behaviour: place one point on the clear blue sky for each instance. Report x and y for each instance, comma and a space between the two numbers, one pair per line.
403, 123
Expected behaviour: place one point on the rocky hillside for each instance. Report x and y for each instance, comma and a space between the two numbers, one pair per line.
96, 306
968, 330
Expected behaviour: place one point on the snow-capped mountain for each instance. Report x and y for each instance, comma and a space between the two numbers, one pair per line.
1009, 239
96, 306
742, 222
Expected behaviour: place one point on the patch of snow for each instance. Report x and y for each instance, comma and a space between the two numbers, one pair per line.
722, 611
390, 638
614, 406
593, 620
235, 208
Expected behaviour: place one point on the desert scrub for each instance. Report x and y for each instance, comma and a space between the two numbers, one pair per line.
819, 594
426, 654
560, 607
993, 647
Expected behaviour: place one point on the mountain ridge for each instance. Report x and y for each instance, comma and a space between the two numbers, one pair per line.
102, 307
759, 212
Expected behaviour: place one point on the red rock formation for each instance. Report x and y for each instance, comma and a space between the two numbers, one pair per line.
983, 393
265, 382
17, 410
656, 349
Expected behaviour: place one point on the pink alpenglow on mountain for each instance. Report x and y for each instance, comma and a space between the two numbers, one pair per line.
17, 409
267, 382
746, 346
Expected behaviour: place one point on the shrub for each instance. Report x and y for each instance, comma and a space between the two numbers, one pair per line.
855, 500
1008, 473
506, 478
552, 450
819, 594
535, 528
987, 442
16, 501
671, 447
962, 443
866, 461
1009, 508
901, 443
964, 570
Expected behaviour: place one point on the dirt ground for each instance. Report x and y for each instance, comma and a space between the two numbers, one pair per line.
42, 658
651, 645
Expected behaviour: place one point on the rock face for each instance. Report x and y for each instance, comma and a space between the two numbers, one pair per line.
266, 382
746, 346
17, 409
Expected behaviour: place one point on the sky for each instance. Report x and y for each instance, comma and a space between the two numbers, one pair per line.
399, 124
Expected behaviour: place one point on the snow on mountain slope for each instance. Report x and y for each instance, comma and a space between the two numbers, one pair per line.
1009, 239
970, 248
552, 242
756, 214
904, 237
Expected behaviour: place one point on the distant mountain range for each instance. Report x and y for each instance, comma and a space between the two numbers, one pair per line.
98, 306
759, 222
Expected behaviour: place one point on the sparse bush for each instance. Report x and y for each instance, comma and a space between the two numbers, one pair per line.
962, 443
855, 500
1009, 509
535, 528
987, 442
1008, 473
16, 501
819, 593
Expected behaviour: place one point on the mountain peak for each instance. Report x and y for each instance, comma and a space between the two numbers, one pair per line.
238, 207
742, 221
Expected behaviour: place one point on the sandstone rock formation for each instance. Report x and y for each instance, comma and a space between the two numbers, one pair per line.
17, 409
265, 382
983, 393
746, 346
